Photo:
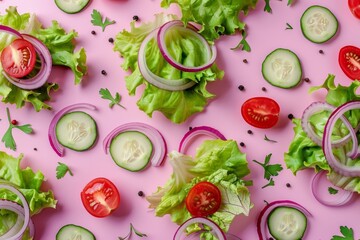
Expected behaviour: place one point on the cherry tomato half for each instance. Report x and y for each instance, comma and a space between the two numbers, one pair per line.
354, 6
260, 112
18, 59
100, 197
349, 60
203, 199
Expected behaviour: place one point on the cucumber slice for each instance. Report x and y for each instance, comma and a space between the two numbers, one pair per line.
131, 150
76, 130
74, 232
71, 6
318, 24
282, 68
287, 223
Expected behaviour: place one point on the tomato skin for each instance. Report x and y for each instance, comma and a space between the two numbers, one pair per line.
18, 59
354, 6
104, 193
203, 199
261, 112
348, 56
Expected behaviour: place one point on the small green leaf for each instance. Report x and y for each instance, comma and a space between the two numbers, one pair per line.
267, 7
271, 183
288, 26
270, 170
290, 2
25, 128
137, 232
348, 234
97, 20
243, 44
333, 191
269, 140
61, 170
105, 94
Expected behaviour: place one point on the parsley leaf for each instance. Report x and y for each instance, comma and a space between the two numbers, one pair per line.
243, 44
105, 94
269, 140
333, 191
348, 234
267, 7
270, 183
290, 2
61, 170
270, 170
132, 229
8, 138
288, 26
97, 20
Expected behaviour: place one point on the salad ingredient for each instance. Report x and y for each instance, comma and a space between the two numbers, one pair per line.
202, 130
131, 150
288, 27
216, 161
175, 105
245, 61
76, 130
214, 228
203, 199
268, 139
103, 72
321, 51
141, 194
241, 87
56, 146
333, 191
8, 138
264, 225
260, 112
189, 31
291, 116
18, 58
62, 169
105, 94
270, 170
288, 185
132, 230
287, 223
111, 40
136, 18
318, 24
100, 197
354, 6
72, 231
282, 68
71, 6
267, 7
347, 234
97, 20
242, 144
93, 32
158, 143
349, 61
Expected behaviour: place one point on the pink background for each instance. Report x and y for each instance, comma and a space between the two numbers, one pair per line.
265, 33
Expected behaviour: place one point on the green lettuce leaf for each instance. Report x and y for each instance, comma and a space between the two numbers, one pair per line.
175, 105
216, 17
62, 49
304, 153
216, 161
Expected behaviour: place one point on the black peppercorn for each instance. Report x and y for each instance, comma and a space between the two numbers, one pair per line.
245, 61
103, 72
190, 128
111, 40
242, 144
321, 51
136, 18
290, 116
288, 185
306, 79
241, 87
35, 149
249, 132
140, 193
263, 89
93, 32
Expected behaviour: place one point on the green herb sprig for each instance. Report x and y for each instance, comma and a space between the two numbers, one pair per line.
105, 94
348, 234
288, 27
62, 169
132, 230
269, 140
332, 191
267, 7
97, 20
270, 170
243, 44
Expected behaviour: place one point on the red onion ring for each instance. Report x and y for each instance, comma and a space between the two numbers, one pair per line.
56, 146
306, 126
163, 83
349, 171
25, 211
343, 196
211, 50
262, 228
156, 138
44, 73
216, 230
203, 130
10, 31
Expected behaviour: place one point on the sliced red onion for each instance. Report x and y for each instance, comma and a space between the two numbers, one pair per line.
10, 31
181, 234
56, 146
349, 171
203, 130
342, 196
23, 213
306, 126
163, 83
192, 30
46, 65
156, 138
262, 228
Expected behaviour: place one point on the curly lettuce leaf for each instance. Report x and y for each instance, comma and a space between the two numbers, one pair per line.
216, 161
61, 46
175, 105
216, 17
304, 153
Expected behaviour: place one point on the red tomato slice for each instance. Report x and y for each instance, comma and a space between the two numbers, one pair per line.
100, 197
18, 59
203, 199
349, 60
354, 6
260, 112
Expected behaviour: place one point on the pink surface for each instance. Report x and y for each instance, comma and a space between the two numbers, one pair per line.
266, 32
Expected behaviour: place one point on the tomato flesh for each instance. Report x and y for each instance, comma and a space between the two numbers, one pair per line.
203, 199
100, 197
260, 112
349, 60
354, 6
18, 59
